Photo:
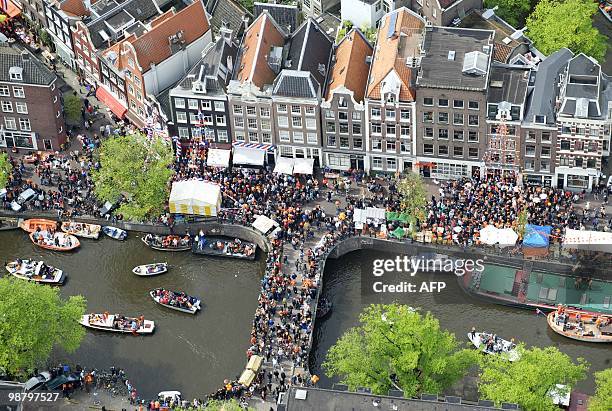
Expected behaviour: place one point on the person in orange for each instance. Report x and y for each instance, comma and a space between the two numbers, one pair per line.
88, 381
105, 315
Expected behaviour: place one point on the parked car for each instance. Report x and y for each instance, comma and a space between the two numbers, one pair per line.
37, 381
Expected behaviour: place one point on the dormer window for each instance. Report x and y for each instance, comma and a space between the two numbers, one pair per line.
16, 73
539, 119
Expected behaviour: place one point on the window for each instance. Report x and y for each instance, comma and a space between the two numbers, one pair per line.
377, 163
331, 141
286, 151
377, 145
330, 127
376, 129
428, 132
529, 164
239, 136
252, 123
311, 138
18, 92
356, 128
298, 137
545, 136
428, 149
206, 105
591, 163
183, 132
7, 106
473, 105
531, 135
458, 135
544, 165
391, 146
239, 122
443, 150
344, 142
545, 151
458, 151
296, 121
390, 130
578, 162
282, 108
358, 143
222, 136
530, 150
443, 117
22, 107
10, 123
264, 111
181, 117
237, 109
309, 110
443, 102
404, 131
391, 164
296, 109
220, 119
24, 124
390, 114
251, 111
4, 91
443, 134
193, 104
458, 119
265, 124
329, 114
564, 161
283, 135
565, 144
457, 103
473, 120
344, 128
283, 121
593, 146
405, 115
428, 117
356, 115
375, 112
253, 137
219, 106
428, 101
193, 118
266, 137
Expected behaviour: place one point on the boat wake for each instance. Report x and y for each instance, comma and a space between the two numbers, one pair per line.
199, 351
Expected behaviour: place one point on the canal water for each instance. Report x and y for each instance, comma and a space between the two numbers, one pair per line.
192, 354
456, 311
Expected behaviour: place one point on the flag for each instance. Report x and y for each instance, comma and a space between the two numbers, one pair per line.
5, 5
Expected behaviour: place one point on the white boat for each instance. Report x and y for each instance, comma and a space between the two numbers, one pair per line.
36, 271
81, 229
147, 270
117, 323
115, 232
193, 302
170, 395
497, 346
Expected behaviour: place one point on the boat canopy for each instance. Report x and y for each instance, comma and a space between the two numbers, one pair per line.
195, 197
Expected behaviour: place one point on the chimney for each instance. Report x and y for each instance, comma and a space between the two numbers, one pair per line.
226, 33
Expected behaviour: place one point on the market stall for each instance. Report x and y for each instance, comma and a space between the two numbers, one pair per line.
218, 158
195, 197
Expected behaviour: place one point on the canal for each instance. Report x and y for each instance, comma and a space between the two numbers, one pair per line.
192, 354
456, 311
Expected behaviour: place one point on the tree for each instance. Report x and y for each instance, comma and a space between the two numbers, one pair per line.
521, 223
218, 405
512, 11
555, 24
72, 108
34, 320
413, 196
602, 400
396, 347
528, 381
136, 167
5, 170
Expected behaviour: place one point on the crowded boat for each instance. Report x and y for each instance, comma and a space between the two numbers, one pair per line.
55, 241
118, 323
40, 224
35, 271
81, 229
148, 270
217, 246
115, 232
168, 242
494, 345
581, 325
176, 300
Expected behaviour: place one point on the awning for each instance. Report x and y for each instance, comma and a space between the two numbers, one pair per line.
107, 98
264, 224
284, 165
270, 148
373, 214
12, 10
246, 378
303, 165
249, 156
218, 158
588, 240
254, 363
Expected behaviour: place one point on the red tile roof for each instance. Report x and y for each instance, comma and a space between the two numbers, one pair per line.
351, 69
74, 7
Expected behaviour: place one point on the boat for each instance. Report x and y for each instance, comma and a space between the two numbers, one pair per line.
117, 323
167, 243
167, 396
35, 271
81, 229
55, 241
165, 297
498, 345
324, 307
581, 326
224, 247
147, 270
39, 224
115, 232
605, 7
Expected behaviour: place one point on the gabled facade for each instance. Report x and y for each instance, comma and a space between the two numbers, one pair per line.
228, 15
445, 12
343, 114
368, 13
35, 11
391, 93
60, 18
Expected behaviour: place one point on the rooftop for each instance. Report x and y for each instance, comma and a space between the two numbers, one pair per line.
508, 84
285, 15
229, 14
351, 69
455, 58
33, 71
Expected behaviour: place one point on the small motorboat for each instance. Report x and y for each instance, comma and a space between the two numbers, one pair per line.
39, 224
494, 345
115, 232
147, 270
117, 323
167, 396
176, 300
82, 229
324, 307
224, 247
55, 241
35, 271
168, 242
581, 325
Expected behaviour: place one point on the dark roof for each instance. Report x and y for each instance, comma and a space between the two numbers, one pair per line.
440, 71
164, 102
33, 70
228, 14
332, 400
583, 68
285, 15
545, 90
508, 84
447, 3
293, 83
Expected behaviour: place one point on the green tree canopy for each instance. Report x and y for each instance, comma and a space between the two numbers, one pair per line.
413, 196
72, 108
5, 170
602, 400
528, 381
218, 405
396, 346
136, 167
514, 12
33, 320
555, 24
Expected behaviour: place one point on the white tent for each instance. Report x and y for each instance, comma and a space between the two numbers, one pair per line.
303, 165
195, 197
489, 235
249, 156
284, 165
264, 225
506, 237
370, 214
588, 240
218, 158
